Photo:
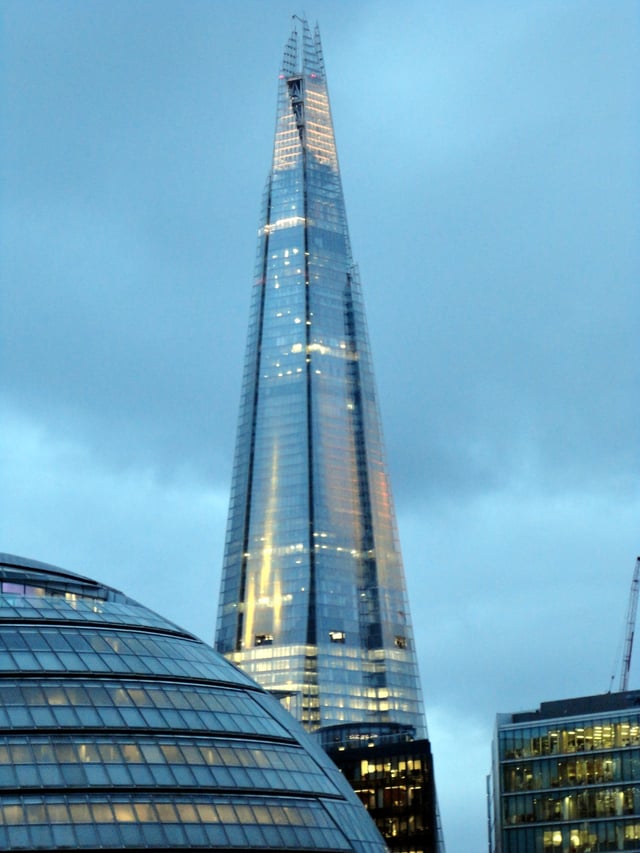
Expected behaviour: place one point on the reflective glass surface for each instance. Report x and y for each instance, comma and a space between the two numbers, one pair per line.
32, 604
116, 736
313, 602
115, 760
123, 704
571, 783
77, 822
25, 648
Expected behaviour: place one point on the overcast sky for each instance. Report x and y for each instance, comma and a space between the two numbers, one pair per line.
489, 153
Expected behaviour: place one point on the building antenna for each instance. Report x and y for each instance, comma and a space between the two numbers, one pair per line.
630, 628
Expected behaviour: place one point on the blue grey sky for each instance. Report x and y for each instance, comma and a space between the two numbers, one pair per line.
489, 154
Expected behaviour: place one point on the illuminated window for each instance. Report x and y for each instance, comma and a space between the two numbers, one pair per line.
263, 640
337, 636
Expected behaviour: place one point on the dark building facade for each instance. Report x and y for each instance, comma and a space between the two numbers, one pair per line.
119, 730
394, 781
566, 777
313, 602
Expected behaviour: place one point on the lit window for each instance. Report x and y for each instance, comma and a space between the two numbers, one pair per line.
337, 636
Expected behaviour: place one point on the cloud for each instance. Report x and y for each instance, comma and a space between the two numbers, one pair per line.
517, 585
461, 793
156, 540
489, 159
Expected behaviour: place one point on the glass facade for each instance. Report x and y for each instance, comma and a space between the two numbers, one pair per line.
313, 602
566, 779
394, 782
118, 729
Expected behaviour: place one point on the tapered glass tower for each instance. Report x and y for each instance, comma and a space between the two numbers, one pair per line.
313, 602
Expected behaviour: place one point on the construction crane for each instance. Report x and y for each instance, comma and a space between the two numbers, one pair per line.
632, 609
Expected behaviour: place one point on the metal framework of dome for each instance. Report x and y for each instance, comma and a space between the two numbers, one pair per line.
120, 730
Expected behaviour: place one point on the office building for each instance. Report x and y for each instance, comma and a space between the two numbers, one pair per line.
566, 777
394, 780
119, 730
313, 602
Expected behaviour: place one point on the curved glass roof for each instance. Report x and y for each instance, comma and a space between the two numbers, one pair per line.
118, 729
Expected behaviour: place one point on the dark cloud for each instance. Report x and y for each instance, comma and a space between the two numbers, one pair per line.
489, 158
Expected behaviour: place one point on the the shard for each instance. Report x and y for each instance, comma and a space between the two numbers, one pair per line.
313, 603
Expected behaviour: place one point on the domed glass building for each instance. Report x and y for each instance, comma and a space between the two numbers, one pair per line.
118, 729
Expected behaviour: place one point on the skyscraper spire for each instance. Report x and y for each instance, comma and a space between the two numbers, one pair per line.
313, 602
303, 50
313, 597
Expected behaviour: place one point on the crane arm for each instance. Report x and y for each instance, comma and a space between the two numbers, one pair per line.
631, 627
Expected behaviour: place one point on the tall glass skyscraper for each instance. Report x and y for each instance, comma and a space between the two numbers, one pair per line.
313, 602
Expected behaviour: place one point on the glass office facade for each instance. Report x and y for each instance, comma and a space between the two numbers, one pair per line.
566, 778
313, 602
394, 781
118, 729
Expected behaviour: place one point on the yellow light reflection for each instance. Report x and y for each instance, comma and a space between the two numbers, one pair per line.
264, 590
285, 222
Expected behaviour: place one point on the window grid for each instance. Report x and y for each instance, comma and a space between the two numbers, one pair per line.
122, 704
99, 650
95, 610
83, 822
55, 761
